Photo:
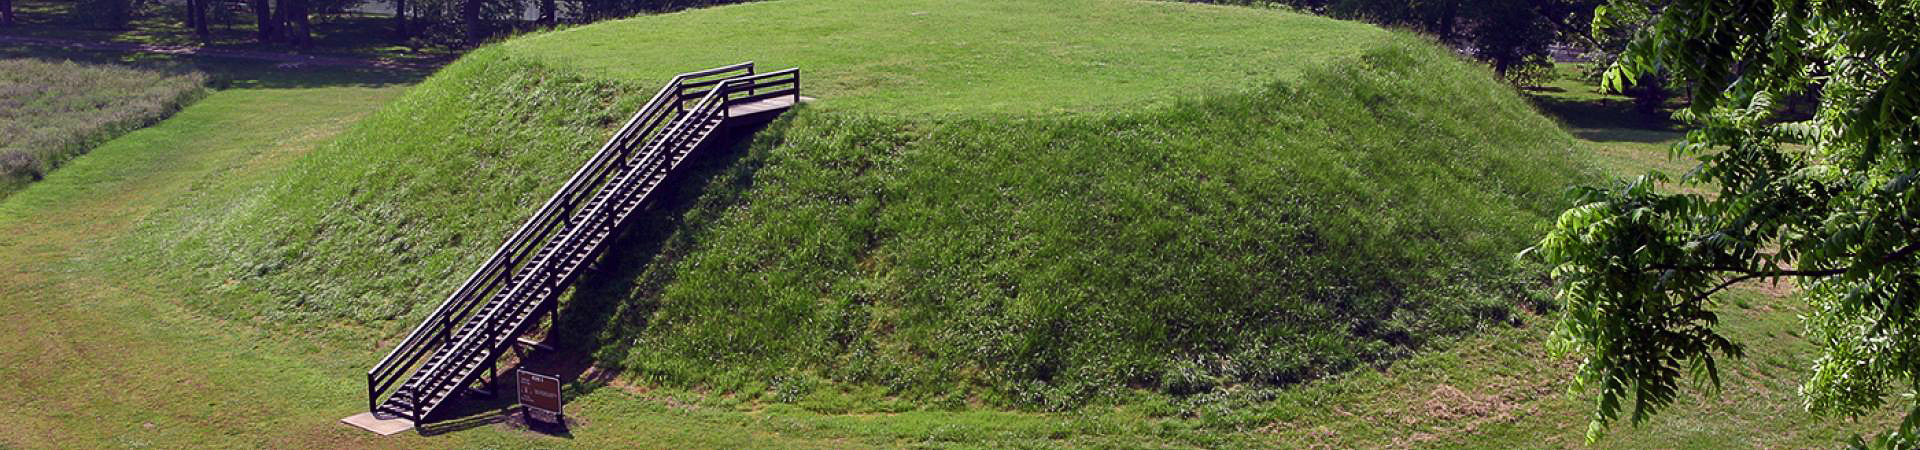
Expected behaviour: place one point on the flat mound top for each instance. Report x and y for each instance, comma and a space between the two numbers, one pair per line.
933, 56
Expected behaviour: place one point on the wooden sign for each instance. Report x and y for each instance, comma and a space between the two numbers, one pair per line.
540, 395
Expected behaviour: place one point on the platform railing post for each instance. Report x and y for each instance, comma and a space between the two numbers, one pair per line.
372, 396
493, 378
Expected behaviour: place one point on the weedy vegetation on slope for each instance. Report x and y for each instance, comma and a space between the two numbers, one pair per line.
52, 111
395, 212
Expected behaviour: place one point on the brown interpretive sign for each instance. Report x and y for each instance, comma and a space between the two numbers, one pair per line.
540, 395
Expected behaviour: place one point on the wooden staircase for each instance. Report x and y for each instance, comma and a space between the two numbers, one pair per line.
520, 283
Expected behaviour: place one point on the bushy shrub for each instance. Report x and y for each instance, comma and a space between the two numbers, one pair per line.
20, 165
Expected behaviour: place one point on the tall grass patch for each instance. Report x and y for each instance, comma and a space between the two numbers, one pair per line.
53, 111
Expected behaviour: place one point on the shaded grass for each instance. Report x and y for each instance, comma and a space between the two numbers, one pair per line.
223, 73
53, 111
1628, 140
163, 24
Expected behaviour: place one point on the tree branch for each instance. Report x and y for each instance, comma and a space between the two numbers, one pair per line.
1748, 274
1896, 255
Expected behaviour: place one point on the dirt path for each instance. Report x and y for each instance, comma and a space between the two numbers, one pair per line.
276, 57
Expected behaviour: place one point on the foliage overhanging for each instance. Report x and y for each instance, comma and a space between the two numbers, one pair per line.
1828, 203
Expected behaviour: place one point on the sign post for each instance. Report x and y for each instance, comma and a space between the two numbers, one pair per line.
540, 396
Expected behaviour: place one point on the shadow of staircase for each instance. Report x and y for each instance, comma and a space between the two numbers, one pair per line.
614, 300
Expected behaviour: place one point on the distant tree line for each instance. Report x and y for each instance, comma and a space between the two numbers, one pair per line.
449, 22
1514, 36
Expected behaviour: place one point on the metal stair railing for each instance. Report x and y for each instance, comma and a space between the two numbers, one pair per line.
495, 274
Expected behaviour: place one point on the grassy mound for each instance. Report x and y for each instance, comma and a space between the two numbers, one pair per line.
1216, 234
1259, 239
53, 111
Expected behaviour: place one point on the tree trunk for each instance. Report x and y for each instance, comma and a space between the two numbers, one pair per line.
1448, 17
306, 25
117, 15
549, 12
470, 19
299, 31
197, 14
264, 10
280, 28
400, 19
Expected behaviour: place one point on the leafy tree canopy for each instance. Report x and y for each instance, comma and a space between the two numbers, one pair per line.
1827, 203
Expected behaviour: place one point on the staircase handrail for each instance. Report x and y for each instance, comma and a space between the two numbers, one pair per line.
466, 348
487, 335
384, 374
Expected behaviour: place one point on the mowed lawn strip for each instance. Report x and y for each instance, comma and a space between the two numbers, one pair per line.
96, 356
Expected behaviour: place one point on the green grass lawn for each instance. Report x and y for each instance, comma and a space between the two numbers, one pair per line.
52, 111
923, 56
98, 356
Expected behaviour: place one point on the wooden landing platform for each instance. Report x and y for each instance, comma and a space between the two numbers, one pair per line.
772, 105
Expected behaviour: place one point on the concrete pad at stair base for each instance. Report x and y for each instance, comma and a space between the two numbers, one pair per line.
385, 427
